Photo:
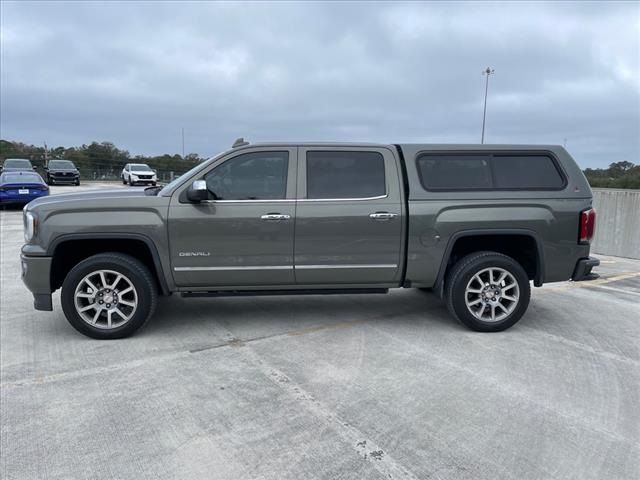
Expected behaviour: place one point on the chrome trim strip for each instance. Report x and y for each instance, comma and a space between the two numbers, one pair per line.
250, 201
379, 197
322, 267
283, 267
210, 269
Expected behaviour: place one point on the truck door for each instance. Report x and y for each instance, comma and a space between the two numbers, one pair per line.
349, 217
243, 235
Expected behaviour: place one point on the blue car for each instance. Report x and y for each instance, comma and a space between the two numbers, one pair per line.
21, 187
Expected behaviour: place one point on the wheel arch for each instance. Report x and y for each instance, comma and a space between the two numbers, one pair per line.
68, 250
536, 271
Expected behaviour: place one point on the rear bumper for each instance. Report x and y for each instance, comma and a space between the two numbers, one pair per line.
36, 275
583, 269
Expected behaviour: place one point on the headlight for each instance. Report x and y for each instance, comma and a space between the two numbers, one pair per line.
29, 226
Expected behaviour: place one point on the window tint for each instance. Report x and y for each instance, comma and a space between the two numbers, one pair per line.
454, 172
526, 172
488, 172
61, 164
345, 175
252, 176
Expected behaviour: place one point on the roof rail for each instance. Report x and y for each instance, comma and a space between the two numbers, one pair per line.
239, 143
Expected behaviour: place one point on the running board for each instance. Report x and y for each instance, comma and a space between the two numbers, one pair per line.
255, 293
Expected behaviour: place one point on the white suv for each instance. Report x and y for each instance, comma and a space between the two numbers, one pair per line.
133, 173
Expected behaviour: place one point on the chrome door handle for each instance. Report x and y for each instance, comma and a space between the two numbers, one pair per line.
383, 215
275, 216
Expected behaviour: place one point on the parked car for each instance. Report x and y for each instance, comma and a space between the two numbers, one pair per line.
21, 187
17, 165
138, 173
61, 171
473, 223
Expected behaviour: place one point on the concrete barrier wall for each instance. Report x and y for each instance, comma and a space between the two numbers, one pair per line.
617, 222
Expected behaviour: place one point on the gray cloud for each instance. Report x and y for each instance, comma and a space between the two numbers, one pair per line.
136, 73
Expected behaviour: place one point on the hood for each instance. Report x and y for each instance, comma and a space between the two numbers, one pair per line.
103, 197
143, 172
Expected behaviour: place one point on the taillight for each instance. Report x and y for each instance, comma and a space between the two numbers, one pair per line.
587, 225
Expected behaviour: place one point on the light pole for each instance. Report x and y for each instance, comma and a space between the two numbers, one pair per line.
487, 72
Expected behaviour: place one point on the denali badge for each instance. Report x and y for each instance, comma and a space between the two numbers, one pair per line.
193, 254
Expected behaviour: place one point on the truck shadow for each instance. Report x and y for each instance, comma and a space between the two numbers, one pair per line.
264, 315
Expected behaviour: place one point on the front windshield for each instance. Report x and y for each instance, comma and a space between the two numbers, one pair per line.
17, 163
140, 167
61, 164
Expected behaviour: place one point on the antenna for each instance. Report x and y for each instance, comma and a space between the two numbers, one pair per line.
239, 143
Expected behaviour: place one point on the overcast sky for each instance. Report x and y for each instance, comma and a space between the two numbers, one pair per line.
136, 73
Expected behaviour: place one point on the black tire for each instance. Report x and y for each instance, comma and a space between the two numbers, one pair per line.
462, 273
134, 271
77, 183
153, 184
124, 182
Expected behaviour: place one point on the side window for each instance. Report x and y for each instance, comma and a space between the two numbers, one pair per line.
528, 172
454, 172
488, 171
252, 176
332, 174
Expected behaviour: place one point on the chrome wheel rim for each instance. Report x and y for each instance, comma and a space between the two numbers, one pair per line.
492, 294
106, 299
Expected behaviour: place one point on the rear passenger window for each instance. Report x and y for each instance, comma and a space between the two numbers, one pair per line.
345, 175
530, 172
488, 172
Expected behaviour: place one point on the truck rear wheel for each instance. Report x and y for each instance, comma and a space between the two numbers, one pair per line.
488, 291
109, 295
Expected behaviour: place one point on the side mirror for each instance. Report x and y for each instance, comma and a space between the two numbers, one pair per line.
197, 192
35, 168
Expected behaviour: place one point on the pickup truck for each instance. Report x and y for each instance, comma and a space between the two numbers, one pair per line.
475, 224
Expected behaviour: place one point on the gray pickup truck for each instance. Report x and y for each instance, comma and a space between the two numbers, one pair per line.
473, 223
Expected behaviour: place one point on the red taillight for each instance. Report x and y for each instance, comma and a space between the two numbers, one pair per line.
587, 225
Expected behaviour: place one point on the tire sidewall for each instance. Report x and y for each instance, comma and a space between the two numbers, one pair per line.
462, 278
144, 292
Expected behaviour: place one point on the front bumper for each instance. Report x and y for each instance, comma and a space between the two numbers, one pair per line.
583, 269
36, 275
58, 178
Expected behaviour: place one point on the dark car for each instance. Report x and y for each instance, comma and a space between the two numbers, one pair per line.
61, 171
17, 165
21, 187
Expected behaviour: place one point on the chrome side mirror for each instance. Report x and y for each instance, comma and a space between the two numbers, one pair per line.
197, 192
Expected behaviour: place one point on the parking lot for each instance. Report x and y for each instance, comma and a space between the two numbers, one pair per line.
333, 387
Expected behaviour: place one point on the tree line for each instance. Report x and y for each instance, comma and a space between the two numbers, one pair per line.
105, 161
98, 160
618, 175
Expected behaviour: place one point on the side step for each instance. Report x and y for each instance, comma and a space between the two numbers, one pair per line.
256, 293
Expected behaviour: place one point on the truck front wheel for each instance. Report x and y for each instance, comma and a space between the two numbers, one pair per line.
109, 295
487, 291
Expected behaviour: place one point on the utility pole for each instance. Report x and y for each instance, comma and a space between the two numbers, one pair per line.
489, 71
183, 143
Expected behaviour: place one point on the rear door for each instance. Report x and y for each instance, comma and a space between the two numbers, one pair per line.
349, 217
243, 235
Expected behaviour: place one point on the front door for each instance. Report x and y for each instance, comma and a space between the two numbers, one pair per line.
349, 217
243, 235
